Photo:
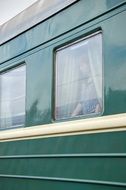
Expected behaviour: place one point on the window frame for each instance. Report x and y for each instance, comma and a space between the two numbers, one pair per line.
6, 70
68, 44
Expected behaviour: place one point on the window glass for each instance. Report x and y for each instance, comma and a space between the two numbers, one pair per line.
79, 78
12, 97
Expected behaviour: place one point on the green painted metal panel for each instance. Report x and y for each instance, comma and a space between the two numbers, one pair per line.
81, 12
39, 64
114, 64
40, 73
82, 161
90, 161
39, 87
110, 169
113, 142
32, 184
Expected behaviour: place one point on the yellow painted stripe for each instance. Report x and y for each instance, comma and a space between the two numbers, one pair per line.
93, 125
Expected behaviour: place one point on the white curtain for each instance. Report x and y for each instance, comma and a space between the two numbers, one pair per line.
12, 97
78, 75
95, 62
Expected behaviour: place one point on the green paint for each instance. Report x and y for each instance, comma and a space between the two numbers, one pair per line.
36, 48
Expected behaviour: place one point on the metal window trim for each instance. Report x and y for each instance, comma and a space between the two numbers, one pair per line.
55, 73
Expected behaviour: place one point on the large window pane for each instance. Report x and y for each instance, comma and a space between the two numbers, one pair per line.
12, 97
79, 78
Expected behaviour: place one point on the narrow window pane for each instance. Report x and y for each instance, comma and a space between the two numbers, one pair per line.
79, 78
12, 98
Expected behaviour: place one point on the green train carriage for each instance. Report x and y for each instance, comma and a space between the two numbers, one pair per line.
63, 96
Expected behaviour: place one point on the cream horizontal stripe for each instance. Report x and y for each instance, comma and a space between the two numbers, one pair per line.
97, 124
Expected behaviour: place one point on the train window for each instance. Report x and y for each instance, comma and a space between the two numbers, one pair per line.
12, 97
79, 78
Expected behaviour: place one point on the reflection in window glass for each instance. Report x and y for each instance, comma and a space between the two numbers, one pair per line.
12, 98
79, 78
